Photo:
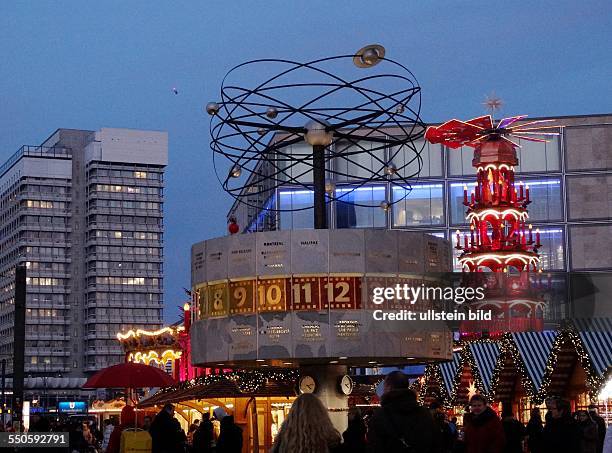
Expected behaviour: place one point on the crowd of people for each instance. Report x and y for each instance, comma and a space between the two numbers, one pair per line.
400, 424
218, 434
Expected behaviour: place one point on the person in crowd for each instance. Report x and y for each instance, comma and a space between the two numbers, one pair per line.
447, 439
40, 424
550, 402
601, 426
400, 424
190, 433
180, 439
514, 431
203, 437
163, 431
87, 434
453, 426
307, 429
108, 430
589, 438
76, 440
355, 434
230, 437
561, 434
483, 430
97, 434
128, 420
146, 423
534, 431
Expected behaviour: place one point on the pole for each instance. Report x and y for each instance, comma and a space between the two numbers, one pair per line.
3, 382
19, 342
318, 178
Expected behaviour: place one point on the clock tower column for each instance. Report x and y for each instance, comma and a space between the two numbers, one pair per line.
327, 380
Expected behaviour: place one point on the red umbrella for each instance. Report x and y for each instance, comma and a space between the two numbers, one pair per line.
129, 375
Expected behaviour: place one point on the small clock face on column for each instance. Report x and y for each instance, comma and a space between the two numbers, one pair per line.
346, 385
307, 384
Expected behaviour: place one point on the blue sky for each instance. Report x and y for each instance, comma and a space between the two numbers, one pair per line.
90, 64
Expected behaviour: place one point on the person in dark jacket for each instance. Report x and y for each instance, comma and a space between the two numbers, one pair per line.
203, 437
447, 438
514, 432
163, 431
601, 427
180, 439
535, 431
355, 434
483, 430
561, 434
230, 438
588, 429
400, 424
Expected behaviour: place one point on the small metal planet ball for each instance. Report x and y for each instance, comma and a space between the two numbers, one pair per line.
212, 108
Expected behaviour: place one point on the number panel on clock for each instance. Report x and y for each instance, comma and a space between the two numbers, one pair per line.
242, 297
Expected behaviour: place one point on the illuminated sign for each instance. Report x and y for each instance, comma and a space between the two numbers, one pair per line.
72, 407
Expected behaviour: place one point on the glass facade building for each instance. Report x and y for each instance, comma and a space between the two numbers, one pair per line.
569, 178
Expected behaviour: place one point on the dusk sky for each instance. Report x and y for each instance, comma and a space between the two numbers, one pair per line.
92, 64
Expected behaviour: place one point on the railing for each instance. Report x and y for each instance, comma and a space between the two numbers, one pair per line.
35, 151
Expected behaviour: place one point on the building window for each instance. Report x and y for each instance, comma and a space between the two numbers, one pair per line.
360, 207
296, 209
406, 159
551, 252
455, 199
421, 206
545, 194
358, 161
140, 174
538, 157
460, 161
298, 165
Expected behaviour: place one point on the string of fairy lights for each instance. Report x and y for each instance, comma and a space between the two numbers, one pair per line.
247, 381
433, 386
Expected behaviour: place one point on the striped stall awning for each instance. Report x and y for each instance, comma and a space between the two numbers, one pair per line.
596, 337
485, 356
449, 371
535, 349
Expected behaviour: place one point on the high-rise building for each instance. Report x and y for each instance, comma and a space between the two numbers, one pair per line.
569, 177
84, 212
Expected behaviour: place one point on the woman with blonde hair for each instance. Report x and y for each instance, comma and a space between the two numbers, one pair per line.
307, 429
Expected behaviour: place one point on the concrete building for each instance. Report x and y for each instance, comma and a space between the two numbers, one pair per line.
570, 179
84, 211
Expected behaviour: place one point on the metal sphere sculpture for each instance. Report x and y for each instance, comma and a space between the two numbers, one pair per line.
305, 125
